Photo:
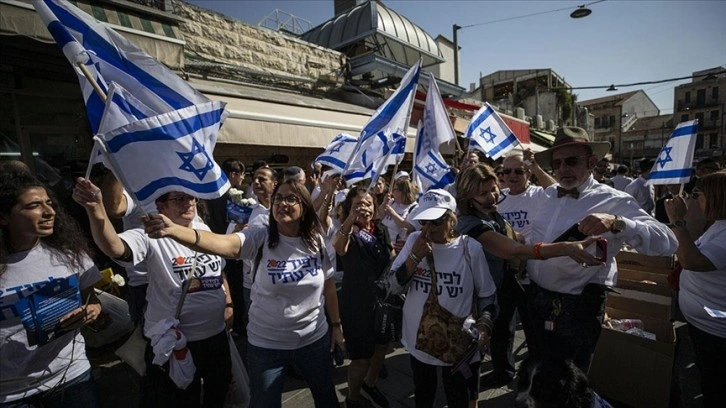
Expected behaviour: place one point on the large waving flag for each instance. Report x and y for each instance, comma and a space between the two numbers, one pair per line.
488, 133
108, 56
384, 133
168, 152
429, 167
673, 165
338, 152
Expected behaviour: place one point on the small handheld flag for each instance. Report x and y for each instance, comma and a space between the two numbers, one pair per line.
488, 133
673, 164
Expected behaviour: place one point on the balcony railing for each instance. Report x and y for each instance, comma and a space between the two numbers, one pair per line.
163, 5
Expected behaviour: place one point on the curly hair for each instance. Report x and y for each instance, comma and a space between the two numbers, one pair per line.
67, 243
310, 226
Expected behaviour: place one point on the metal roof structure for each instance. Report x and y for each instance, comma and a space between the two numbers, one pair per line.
380, 44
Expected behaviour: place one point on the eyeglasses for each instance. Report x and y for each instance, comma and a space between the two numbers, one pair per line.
183, 199
435, 222
518, 172
695, 194
291, 199
499, 174
570, 161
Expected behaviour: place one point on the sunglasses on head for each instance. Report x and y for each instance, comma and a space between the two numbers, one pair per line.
570, 161
518, 172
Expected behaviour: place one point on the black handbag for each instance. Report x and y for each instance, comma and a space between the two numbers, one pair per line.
388, 313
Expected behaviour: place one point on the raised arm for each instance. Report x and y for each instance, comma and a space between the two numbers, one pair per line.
226, 246
544, 179
89, 196
506, 248
689, 256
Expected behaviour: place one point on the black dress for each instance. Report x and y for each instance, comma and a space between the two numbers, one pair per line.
369, 254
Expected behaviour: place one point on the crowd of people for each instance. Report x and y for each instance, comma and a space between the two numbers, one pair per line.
521, 240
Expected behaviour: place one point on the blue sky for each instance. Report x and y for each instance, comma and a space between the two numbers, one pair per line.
620, 42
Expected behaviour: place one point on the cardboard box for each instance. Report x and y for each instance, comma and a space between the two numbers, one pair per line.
643, 281
654, 264
631, 369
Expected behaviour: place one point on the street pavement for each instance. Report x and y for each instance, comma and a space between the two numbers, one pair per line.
119, 384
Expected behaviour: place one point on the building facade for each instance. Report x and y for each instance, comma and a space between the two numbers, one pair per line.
704, 98
614, 115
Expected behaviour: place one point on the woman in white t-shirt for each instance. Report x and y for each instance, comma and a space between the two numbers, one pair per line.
42, 252
206, 310
463, 282
703, 282
292, 284
396, 209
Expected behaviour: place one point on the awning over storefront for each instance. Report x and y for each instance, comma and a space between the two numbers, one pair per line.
151, 30
267, 117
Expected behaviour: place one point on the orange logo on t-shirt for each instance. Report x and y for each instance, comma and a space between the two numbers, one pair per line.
179, 260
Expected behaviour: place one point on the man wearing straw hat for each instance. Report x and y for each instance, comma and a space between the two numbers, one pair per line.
568, 298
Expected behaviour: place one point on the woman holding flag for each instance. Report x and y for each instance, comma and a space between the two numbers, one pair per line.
292, 282
200, 322
702, 295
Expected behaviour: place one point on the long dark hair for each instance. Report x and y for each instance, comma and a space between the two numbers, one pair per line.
310, 227
67, 243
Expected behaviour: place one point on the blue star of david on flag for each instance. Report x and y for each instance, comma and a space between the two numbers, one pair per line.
487, 131
431, 167
188, 160
673, 164
336, 148
662, 161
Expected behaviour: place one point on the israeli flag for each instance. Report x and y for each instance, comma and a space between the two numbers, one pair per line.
673, 164
430, 169
338, 152
108, 56
488, 133
171, 151
387, 124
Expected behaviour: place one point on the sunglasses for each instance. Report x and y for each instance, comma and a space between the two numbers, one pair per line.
570, 161
291, 199
435, 222
499, 174
695, 195
183, 199
518, 172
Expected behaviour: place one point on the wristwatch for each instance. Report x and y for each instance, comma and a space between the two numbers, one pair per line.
618, 225
679, 223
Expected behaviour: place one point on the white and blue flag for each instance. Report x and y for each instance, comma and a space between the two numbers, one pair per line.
108, 56
429, 167
673, 164
168, 152
385, 133
488, 133
338, 152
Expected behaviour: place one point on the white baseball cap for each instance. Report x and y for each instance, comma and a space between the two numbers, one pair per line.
401, 174
434, 204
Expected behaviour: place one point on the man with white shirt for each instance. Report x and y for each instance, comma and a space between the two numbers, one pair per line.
621, 180
643, 193
569, 298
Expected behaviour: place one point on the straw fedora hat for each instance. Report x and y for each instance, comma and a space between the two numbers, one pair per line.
572, 136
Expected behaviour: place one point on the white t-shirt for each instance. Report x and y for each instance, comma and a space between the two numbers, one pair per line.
287, 294
259, 218
131, 220
168, 262
27, 370
457, 283
402, 210
620, 182
517, 209
699, 289
644, 194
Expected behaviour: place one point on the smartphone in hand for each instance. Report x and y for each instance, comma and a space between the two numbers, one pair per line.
601, 249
